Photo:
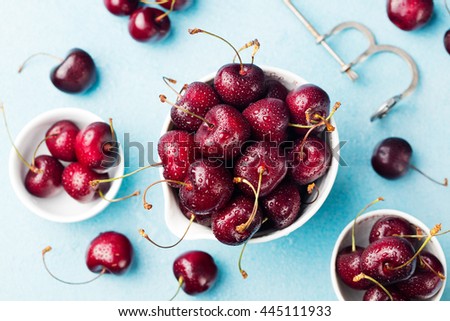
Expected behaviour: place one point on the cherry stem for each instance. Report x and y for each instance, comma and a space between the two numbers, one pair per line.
311, 187
31, 167
356, 217
113, 132
434, 231
164, 100
315, 117
180, 284
446, 6
168, 82
361, 276
445, 183
22, 66
255, 44
424, 263
94, 183
242, 271
145, 236
48, 249
197, 30
149, 206
243, 227
115, 200
36, 150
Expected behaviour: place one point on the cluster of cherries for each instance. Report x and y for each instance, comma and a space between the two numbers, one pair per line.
390, 267
413, 14
146, 23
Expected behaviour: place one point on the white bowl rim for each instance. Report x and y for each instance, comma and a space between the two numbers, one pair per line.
380, 213
198, 232
17, 184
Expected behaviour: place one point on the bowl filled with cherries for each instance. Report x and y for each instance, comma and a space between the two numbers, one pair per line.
388, 255
245, 154
62, 162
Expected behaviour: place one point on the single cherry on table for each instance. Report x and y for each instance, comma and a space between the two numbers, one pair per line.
410, 14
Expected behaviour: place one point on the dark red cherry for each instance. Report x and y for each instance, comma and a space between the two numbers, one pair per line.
276, 89
426, 281
240, 86
224, 134
381, 258
77, 73
265, 156
391, 157
282, 205
196, 271
269, 119
348, 265
144, 24
202, 219
308, 99
391, 226
207, 187
176, 150
178, 4
409, 14
45, 179
76, 180
309, 161
226, 221
96, 148
447, 41
61, 140
111, 251
121, 7
375, 293
198, 98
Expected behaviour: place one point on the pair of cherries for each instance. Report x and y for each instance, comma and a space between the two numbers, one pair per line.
146, 23
112, 252
390, 268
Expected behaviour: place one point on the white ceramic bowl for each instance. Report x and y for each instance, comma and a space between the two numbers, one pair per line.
60, 208
177, 222
363, 226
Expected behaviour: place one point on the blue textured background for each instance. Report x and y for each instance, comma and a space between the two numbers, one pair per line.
292, 268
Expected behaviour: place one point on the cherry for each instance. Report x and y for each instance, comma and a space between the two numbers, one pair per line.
195, 271
308, 105
175, 5
148, 24
269, 119
391, 226
447, 41
276, 89
391, 159
61, 140
76, 180
385, 259
75, 74
375, 293
226, 222
198, 98
204, 219
409, 14
176, 150
282, 205
309, 160
265, 157
238, 84
110, 252
121, 7
45, 180
223, 132
427, 279
96, 147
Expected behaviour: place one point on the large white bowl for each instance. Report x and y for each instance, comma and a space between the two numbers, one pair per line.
177, 222
60, 208
363, 226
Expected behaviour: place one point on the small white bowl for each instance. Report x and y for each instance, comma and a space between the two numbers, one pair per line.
177, 222
60, 208
363, 227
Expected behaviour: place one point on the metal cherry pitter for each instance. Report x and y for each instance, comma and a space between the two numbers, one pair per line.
373, 48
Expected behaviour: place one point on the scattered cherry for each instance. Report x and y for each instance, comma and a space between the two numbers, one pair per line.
447, 41
121, 7
409, 14
60, 140
144, 24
